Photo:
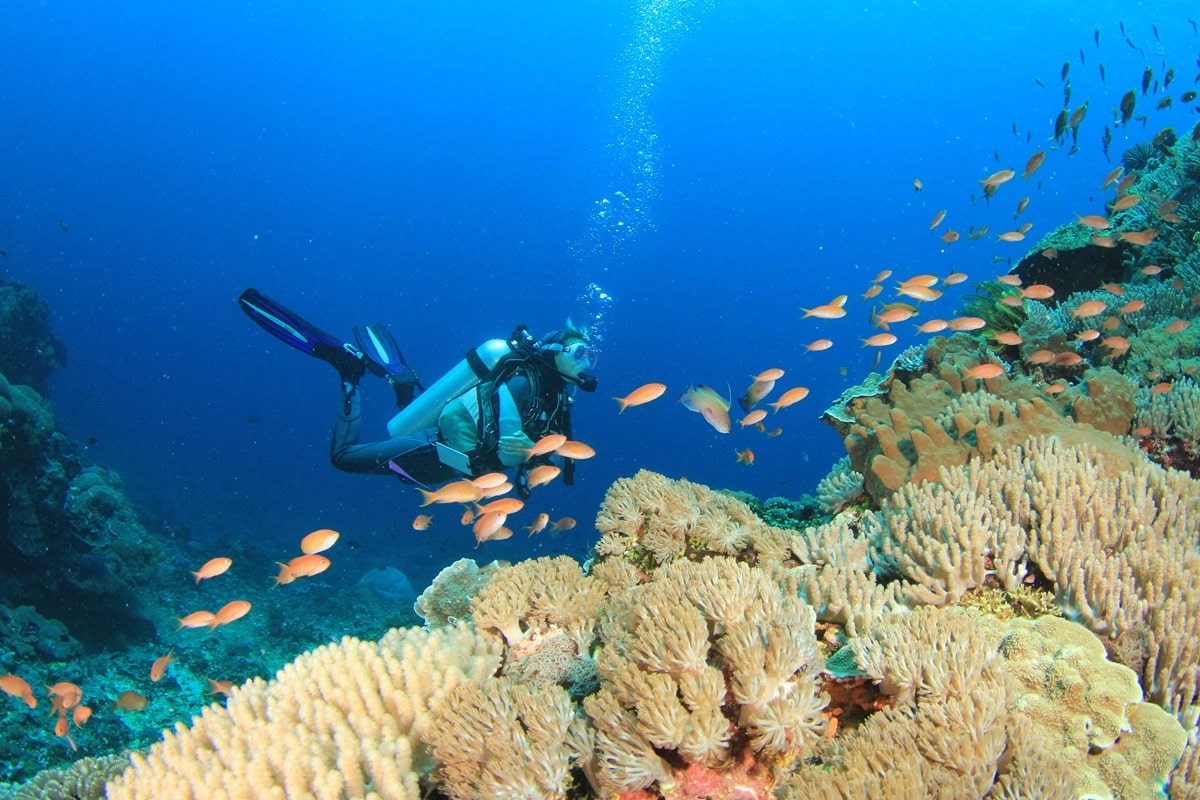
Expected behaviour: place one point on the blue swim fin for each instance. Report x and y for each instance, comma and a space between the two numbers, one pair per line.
292, 329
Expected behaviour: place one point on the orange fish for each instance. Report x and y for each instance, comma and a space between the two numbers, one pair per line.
879, 340
62, 729
818, 344
1128, 201
233, 610
1013, 301
507, 505
575, 450
872, 291
641, 395
564, 524
307, 565
159, 667
1104, 241
1111, 323
772, 374
1161, 388
1140, 238
790, 397
1037, 291
1021, 206
710, 405
539, 523
950, 236
1040, 357
933, 326
1132, 306
213, 568
490, 480
487, 525
1089, 308
1068, 359
462, 491
1009, 280
985, 371
65, 695
928, 281
967, 323
285, 576
937, 219
831, 310
921, 293
892, 315
1152, 269
757, 415
81, 715
219, 687
496, 491
774, 432
1050, 252
421, 522
547, 444
1054, 388
1087, 336
196, 619
318, 541
1178, 326
541, 475
16, 687
883, 275
954, 278
1009, 338
1025, 228
1094, 221
1118, 344
1142, 431
1113, 288
745, 456
1033, 164
1011, 236
130, 701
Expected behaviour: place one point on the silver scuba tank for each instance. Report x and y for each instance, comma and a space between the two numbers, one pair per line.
423, 412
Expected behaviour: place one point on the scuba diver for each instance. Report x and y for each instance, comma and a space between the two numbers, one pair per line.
482, 416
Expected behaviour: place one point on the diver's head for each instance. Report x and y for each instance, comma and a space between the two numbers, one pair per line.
573, 355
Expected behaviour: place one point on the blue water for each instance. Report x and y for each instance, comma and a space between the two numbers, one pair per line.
438, 167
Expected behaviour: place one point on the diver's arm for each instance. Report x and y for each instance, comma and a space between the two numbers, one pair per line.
513, 442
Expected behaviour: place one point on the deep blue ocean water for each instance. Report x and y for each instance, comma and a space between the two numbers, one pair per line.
443, 168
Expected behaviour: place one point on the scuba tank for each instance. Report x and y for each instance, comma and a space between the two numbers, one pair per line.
423, 412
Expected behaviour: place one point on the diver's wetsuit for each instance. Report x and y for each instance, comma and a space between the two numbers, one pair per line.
416, 454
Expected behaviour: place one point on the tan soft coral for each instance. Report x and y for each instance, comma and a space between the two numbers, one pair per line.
344, 720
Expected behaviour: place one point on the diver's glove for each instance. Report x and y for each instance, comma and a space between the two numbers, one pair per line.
513, 449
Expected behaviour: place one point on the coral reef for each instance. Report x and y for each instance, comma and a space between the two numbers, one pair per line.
29, 350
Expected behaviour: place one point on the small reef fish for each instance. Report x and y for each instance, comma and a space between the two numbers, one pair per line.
64, 695
1094, 221
966, 323
1178, 326
1037, 291
307, 565
790, 397
233, 610
541, 475
196, 619
641, 395
745, 456
1033, 164
547, 444
933, 326
506, 505
213, 568
563, 524
773, 374
159, 667
755, 416
539, 523
490, 480
318, 541
487, 525
575, 450
219, 687
834, 309
755, 392
985, 371
458, 491
1008, 338
421, 522
15, 686
1089, 308
710, 405
998, 178
937, 219
879, 340
130, 701
817, 345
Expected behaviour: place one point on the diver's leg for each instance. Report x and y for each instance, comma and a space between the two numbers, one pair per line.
347, 454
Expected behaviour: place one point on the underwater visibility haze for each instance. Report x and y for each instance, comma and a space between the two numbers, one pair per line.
698, 183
